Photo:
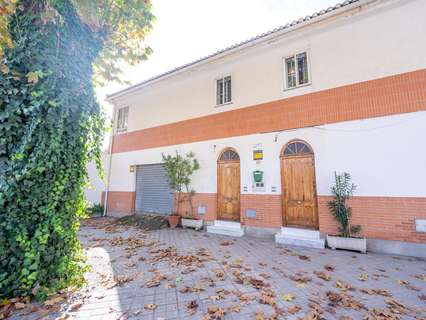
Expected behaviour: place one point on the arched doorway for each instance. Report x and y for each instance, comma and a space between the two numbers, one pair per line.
228, 185
298, 185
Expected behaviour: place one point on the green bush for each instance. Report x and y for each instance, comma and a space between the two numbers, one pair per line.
95, 208
179, 170
342, 190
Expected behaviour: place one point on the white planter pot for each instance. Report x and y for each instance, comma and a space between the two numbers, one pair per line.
192, 223
356, 244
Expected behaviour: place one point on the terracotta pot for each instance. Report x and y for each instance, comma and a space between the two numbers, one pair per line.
173, 220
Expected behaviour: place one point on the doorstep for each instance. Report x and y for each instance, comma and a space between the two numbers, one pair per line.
227, 228
300, 237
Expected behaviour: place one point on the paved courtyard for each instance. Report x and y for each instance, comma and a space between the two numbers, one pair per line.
184, 274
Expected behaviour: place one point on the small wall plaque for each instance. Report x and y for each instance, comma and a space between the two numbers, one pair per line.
202, 209
132, 168
421, 225
250, 213
257, 154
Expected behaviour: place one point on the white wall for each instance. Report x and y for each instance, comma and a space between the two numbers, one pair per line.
386, 157
94, 191
385, 38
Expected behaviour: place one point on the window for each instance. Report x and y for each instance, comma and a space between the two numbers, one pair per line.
296, 148
296, 70
223, 90
123, 114
229, 155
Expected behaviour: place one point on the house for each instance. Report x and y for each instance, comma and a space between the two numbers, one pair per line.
272, 118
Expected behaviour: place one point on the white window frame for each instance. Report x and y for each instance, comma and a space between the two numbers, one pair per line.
232, 90
120, 126
308, 65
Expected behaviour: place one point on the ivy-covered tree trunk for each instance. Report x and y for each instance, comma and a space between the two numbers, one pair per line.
51, 126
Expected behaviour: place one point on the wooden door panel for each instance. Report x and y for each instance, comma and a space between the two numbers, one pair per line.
229, 191
299, 198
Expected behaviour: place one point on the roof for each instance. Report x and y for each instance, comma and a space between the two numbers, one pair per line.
302, 21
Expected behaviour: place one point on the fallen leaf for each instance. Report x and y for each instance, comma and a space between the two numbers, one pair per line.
287, 297
344, 285
235, 308
306, 258
329, 267
259, 315
421, 276
379, 292
191, 307
363, 276
76, 306
294, 309
322, 275
150, 306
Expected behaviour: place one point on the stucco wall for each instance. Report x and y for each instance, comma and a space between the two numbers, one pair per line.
379, 40
96, 184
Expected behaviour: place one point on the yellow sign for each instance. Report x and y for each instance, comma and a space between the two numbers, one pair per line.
258, 155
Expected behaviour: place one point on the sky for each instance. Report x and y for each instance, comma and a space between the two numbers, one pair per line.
186, 30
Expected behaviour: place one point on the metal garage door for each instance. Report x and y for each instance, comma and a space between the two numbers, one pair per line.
153, 192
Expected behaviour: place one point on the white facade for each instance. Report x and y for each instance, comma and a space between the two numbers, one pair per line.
351, 45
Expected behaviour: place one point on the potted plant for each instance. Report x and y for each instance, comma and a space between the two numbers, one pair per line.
173, 220
179, 170
347, 239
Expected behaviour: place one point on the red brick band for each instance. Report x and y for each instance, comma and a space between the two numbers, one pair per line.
387, 218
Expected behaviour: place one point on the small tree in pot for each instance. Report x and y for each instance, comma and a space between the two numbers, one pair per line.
179, 170
342, 190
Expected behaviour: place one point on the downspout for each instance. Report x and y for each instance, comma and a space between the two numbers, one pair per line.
109, 166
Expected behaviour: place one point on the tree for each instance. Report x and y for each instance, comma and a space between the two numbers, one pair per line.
179, 170
342, 190
51, 127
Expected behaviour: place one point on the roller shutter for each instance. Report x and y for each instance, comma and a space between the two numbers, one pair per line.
153, 192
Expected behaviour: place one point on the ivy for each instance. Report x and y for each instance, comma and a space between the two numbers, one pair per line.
51, 126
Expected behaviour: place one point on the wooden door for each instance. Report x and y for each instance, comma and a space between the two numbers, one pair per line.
299, 194
228, 190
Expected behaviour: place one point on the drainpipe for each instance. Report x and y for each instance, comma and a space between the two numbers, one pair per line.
109, 167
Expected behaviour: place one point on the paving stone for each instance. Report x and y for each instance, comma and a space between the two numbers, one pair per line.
257, 257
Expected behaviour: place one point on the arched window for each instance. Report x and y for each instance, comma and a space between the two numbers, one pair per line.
296, 148
229, 155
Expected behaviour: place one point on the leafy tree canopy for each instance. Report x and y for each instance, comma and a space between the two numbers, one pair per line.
121, 24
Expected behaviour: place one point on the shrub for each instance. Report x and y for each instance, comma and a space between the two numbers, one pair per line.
179, 170
342, 190
95, 208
